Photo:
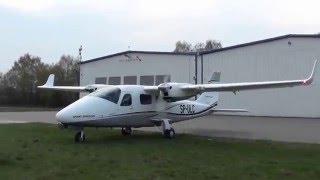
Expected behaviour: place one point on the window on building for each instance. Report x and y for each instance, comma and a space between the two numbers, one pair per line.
147, 80
130, 80
114, 80
101, 80
162, 78
145, 99
126, 100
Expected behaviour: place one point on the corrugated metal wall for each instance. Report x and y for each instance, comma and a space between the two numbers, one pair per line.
290, 58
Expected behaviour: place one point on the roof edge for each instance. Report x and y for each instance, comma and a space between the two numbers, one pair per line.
262, 41
142, 52
208, 52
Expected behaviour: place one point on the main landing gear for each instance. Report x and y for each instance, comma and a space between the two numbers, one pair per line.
80, 137
126, 131
168, 131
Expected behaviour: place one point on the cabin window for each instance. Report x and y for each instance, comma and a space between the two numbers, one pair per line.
126, 100
111, 94
130, 80
147, 80
162, 78
114, 80
145, 99
101, 80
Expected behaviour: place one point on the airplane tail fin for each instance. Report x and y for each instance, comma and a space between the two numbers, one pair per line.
210, 98
50, 81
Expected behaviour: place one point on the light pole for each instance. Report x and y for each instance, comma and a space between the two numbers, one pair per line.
80, 59
80, 53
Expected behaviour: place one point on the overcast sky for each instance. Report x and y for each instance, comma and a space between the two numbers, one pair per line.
50, 28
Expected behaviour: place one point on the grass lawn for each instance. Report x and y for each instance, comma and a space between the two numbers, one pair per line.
42, 151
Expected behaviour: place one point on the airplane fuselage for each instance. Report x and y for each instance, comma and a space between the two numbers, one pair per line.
130, 106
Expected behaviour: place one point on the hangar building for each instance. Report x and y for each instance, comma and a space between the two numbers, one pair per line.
279, 58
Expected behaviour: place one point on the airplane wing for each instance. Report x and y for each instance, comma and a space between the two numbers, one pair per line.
49, 85
234, 87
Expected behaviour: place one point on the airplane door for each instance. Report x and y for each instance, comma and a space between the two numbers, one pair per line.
126, 105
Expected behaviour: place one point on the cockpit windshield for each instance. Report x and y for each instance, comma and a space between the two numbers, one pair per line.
111, 94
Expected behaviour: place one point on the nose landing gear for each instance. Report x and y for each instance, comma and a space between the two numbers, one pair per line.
80, 137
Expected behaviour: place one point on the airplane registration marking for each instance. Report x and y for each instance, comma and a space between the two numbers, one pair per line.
187, 109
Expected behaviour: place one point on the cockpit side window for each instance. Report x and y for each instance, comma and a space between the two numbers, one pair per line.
126, 100
111, 94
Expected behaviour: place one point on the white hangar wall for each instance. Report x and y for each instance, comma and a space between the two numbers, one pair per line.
278, 59
180, 67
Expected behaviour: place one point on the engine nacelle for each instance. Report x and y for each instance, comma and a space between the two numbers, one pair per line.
173, 92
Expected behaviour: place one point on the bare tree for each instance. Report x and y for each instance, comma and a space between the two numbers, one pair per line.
212, 44
183, 46
199, 47
19, 85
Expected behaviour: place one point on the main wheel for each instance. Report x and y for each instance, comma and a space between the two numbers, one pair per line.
79, 138
126, 131
169, 133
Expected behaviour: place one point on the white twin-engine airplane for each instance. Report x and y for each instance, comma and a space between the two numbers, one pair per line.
128, 106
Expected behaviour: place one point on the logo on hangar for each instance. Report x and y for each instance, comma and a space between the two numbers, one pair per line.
130, 58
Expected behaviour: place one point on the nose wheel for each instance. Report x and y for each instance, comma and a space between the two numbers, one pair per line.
126, 131
80, 137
